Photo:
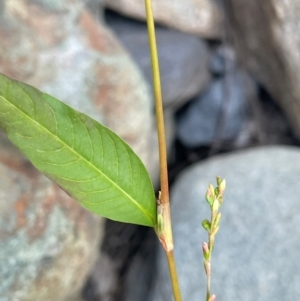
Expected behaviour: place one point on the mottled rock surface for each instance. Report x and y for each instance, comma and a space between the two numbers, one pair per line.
62, 50
183, 58
256, 252
222, 60
267, 41
220, 113
95, 7
48, 242
199, 17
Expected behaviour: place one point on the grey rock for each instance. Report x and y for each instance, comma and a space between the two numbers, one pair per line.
267, 43
222, 60
137, 283
201, 17
256, 252
48, 242
72, 56
183, 58
75, 58
139, 279
218, 114
95, 7
76, 298
105, 278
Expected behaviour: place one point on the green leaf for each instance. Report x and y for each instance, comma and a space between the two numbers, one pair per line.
206, 225
86, 159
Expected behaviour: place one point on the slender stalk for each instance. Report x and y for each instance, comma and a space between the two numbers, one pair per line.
163, 227
208, 288
173, 275
158, 105
208, 269
208, 261
214, 197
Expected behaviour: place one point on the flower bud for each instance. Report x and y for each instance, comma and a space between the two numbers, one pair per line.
206, 225
222, 187
216, 205
205, 250
213, 298
210, 195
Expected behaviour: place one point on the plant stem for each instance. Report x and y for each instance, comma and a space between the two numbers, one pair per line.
158, 105
211, 241
208, 272
210, 246
173, 275
163, 227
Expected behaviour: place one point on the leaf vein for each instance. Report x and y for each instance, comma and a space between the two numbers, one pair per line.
101, 202
93, 191
58, 164
76, 181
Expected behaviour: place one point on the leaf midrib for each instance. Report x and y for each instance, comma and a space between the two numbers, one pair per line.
79, 155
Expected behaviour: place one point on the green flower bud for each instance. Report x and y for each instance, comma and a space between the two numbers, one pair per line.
210, 195
219, 180
222, 187
205, 250
216, 205
206, 225
217, 191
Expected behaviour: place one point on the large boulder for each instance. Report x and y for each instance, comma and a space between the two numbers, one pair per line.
220, 113
267, 41
48, 242
61, 49
183, 58
256, 252
199, 17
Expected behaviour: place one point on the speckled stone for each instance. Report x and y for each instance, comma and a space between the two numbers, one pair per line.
48, 242
95, 6
267, 42
67, 53
183, 58
220, 113
256, 252
199, 17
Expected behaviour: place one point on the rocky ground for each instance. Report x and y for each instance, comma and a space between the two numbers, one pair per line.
229, 75
206, 127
